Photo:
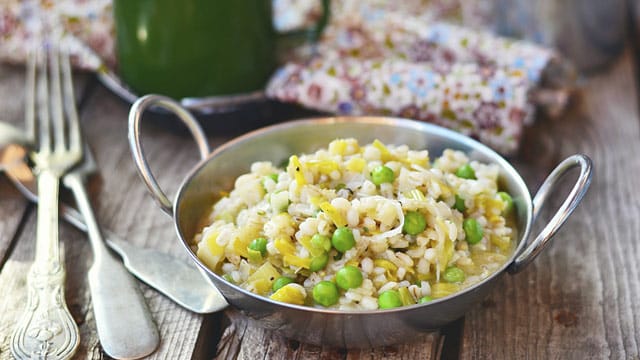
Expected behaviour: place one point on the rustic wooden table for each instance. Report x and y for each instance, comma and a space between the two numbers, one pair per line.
580, 298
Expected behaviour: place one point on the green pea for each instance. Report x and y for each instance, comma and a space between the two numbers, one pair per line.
466, 172
389, 299
508, 202
343, 239
319, 262
459, 204
382, 174
472, 230
325, 293
349, 277
321, 242
453, 275
425, 299
414, 223
259, 244
280, 282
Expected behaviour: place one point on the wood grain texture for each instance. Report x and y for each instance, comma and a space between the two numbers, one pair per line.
121, 204
12, 210
579, 298
13, 282
20, 258
243, 341
12, 205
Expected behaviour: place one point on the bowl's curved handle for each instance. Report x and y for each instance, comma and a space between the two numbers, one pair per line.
135, 114
568, 206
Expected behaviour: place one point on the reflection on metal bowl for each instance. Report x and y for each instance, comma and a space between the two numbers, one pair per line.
349, 329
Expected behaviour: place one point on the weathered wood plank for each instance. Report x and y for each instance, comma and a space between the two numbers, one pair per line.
13, 283
12, 206
13, 273
123, 205
12, 278
12, 210
243, 341
579, 299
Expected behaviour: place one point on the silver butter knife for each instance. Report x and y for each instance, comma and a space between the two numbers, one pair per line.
180, 281
123, 320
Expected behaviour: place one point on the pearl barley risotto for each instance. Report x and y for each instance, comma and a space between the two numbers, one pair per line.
360, 227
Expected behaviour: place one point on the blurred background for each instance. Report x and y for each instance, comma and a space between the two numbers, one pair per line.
530, 55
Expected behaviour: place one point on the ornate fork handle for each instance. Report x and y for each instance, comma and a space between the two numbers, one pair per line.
46, 329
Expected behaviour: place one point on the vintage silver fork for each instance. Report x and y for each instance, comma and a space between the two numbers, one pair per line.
47, 329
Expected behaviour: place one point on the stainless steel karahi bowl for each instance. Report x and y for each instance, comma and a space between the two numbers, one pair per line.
350, 329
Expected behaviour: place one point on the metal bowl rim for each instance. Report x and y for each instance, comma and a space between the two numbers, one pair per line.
423, 127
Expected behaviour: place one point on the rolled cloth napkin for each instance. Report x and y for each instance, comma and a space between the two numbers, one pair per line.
374, 58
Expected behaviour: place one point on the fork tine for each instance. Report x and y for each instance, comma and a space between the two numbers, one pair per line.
56, 101
75, 140
43, 139
30, 95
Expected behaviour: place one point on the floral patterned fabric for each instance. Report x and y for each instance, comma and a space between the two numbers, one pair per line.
89, 22
395, 59
375, 57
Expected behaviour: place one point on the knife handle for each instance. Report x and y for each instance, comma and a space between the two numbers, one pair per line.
125, 326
